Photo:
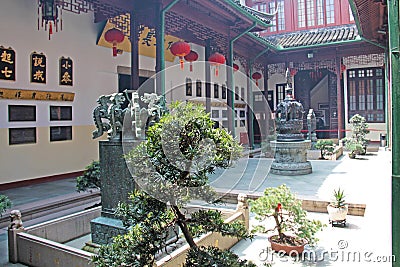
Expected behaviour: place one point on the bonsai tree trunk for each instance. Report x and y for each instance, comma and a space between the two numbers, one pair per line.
183, 226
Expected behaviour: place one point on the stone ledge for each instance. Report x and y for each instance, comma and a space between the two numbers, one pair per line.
311, 205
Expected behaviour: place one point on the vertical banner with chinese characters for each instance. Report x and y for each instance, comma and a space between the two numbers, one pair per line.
65, 75
38, 68
7, 64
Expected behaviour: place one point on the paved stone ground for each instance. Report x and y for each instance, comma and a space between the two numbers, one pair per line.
365, 180
366, 241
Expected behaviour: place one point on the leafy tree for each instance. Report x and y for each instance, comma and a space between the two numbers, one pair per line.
90, 178
325, 146
172, 166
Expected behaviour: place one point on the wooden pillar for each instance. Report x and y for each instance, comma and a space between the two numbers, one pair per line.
339, 101
250, 105
207, 54
134, 35
159, 32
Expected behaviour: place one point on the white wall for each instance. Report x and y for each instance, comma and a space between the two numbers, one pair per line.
95, 73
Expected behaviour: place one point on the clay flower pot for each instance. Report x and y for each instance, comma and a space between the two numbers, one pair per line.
291, 250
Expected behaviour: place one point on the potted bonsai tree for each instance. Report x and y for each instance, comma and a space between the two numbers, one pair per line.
293, 230
338, 208
326, 147
354, 147
360, 130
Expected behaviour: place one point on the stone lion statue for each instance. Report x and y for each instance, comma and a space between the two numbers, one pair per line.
16, 220
242, 202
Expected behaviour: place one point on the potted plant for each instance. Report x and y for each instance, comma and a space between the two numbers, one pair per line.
293, 230
326, 147
359, 131
354, 147
338, 208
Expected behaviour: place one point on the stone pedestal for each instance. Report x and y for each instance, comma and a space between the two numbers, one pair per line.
291, 158
116, 184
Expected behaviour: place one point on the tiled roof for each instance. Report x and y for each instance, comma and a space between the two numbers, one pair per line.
265, 17
323, 36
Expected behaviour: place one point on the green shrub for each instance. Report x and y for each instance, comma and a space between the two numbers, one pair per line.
90, 178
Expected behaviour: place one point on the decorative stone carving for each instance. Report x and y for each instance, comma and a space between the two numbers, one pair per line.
16, 220
109, 114
311, 126
110, 109
242, 202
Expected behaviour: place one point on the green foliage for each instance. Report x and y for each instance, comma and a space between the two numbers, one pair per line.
90, 178
181, 151
173, 164
281, 204
357, 142
354, 146
326, 147
5, 203
204, 221
339, 198
212, 256
150, 221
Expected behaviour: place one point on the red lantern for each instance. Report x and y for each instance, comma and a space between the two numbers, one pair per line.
235, 67
180, 49
216, 59
293, 72
256, 76
192, 56
115, 37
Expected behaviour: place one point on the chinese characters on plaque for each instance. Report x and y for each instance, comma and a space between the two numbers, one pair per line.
7, 64
35, 95
38, 68
66, 71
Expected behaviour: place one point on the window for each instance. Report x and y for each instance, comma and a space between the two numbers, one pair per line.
280, 93
258, 97
198, 88
271, 6
311, 13
60, 133
215, 114
18, 136
216, 90
236, 93
60, 113
21, 113
188, 87
242, 94
366, 94
223, 92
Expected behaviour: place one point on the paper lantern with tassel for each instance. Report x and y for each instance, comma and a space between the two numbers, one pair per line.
180, 49
256, 76
191, 57
216, 59
115, 37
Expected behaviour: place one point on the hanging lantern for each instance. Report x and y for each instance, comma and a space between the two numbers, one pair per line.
256, 76
49, 15
216, 59
115, 37
293, 72
180, 49
235, 67
191, 57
